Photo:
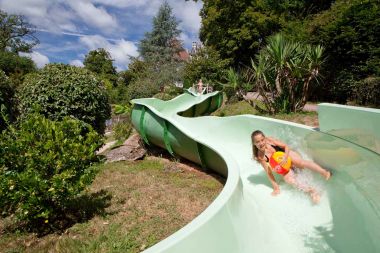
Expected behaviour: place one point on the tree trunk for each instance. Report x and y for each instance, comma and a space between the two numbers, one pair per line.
278, 83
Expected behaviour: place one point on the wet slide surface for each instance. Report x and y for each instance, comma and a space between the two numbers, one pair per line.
245, 217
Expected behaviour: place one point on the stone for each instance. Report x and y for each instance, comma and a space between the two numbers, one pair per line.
131, 150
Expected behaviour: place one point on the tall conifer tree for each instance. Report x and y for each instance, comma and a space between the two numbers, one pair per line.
161, 43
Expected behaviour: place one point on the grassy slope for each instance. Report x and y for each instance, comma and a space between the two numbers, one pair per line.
142, 203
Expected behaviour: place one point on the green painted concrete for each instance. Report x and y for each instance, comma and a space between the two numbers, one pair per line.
245, 217
356, 124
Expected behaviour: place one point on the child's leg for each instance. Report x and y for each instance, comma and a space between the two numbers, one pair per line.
290, 178
315, 167
301, 163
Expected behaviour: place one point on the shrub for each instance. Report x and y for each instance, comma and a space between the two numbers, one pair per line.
142, 88
368, 91
60, 90
44, 164
122, 129
122, 126
206, 65
6, 100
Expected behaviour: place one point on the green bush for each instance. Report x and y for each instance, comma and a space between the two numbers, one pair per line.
118, 94
16, 66
142, 88
60, 90
368, 91
6, 100
206, 65
44, 164
122, 129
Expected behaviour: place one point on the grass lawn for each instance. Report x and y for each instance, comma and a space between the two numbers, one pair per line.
139, 204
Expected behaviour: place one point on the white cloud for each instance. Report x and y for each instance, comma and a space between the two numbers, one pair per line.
50, 15
77, 63
39, 59
62, 15
25, 7
188, 14
119, 50
103, 19
94, 16
123, 3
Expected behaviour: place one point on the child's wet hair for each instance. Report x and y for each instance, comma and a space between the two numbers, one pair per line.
255, 150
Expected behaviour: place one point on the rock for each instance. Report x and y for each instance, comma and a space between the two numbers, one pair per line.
131, 150
105, 147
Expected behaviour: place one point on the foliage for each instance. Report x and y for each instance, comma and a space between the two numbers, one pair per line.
284, 71
169, 93
234, 85
60, 90
118, 94
207, 65
349, 30
6, 101
367, 91
143, 88
161, 43
155, 80
122, 109
122, 129
236, 29
99, 61
16, 34
160, 65
15, 66
43, 165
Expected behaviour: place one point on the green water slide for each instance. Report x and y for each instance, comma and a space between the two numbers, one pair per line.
245, 217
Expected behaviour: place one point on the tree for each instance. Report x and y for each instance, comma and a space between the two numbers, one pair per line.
284, 71
349, 31
237, 29
99, 61
205, 64
161, 44
16, 34
160, 64
16, 67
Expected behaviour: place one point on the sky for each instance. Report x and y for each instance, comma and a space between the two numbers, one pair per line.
69, 29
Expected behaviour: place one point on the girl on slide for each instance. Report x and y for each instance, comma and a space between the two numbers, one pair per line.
264, 147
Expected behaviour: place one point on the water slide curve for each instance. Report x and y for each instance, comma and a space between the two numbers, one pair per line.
245, 217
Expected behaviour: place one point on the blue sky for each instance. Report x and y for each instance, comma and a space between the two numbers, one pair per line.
69, 29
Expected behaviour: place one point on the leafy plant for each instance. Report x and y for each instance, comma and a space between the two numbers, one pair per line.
283, 73
368, 91
207, 65
60, 90
16, 34
122, 129
44, 164
6, 101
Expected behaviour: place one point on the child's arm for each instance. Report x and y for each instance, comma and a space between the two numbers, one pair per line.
276, 187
